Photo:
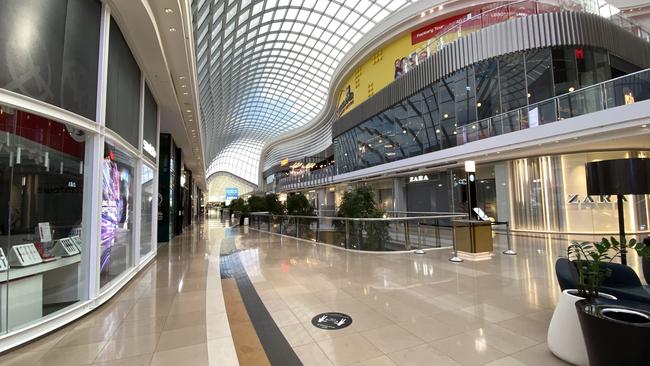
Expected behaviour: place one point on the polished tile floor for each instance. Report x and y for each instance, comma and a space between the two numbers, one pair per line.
407, 309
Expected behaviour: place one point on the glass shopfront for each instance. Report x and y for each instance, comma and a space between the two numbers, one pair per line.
549, 193
431, 119
538, 194
41, 172
61, 242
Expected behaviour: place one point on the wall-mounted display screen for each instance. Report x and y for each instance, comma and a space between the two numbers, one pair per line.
117, 211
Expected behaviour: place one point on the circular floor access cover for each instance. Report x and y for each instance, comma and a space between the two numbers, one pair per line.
331, 321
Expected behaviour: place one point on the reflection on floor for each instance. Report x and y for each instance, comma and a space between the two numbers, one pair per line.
406, 309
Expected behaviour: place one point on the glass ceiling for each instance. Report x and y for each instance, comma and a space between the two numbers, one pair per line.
264, 67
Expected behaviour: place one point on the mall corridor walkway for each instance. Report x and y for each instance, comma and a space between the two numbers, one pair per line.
406, 309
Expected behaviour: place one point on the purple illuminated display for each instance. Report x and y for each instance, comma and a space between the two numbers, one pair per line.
115, 198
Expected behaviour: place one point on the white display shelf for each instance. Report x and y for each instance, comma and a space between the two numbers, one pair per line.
15, 273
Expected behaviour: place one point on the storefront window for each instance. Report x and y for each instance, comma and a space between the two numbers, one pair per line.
539, 75
41, 172
513, 81
488, 103
565, 74
146, 214
117, 213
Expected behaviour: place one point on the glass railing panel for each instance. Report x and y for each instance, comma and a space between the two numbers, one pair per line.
544, 112
628, 90
581, 102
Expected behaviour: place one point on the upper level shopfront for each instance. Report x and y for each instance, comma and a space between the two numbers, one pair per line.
518, 88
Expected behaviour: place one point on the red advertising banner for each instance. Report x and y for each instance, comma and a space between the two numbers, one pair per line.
435, 29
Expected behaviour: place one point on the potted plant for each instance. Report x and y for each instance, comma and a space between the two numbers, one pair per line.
298, 205
363, 235
564, 337
605, 323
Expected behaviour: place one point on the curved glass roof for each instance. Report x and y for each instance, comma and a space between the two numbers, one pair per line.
264, 67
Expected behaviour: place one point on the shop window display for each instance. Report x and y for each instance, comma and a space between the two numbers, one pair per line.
117, 213
41, 171
146, 213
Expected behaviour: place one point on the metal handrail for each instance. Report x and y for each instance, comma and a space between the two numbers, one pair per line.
341, 218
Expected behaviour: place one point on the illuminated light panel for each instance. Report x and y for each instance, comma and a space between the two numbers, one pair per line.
265, 67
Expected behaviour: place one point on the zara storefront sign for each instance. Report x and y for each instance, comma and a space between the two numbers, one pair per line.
418, 178
149, 148
576, 199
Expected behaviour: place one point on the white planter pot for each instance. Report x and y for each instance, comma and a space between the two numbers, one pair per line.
564, 336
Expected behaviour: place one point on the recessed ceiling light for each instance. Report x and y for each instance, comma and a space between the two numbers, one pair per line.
189, 111
172, 29
181, 77
168, 10
644, 126
183, 86
186, 93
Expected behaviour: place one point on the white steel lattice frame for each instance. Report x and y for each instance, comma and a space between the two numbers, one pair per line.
265, 66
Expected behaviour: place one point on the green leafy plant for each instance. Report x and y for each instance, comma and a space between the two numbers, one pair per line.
591, 259
298, 204
273, 204
257, 204
239, 205
368, 235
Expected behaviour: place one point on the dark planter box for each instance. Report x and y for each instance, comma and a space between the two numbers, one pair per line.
620, 341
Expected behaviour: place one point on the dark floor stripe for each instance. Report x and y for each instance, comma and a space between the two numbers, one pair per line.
277, 348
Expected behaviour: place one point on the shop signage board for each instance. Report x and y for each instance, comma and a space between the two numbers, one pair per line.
331, 321
435, 29
232, 193
418, 178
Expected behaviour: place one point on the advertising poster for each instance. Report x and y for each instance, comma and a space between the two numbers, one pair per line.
232, 193
116, 198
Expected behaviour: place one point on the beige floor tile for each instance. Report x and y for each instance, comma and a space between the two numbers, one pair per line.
296, 335
467, 350
21, 358
490, 313
71, 356
379, 361
538, 355
421, 355
217, 325
460, 320
391, 338
502, 339
195, 355
527, 327
127, 347
81, 336
138, 328
312, 355
221, 352
141, 360
506, 361
186, 320
181, 337
349, 349
429, 329
284, 317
